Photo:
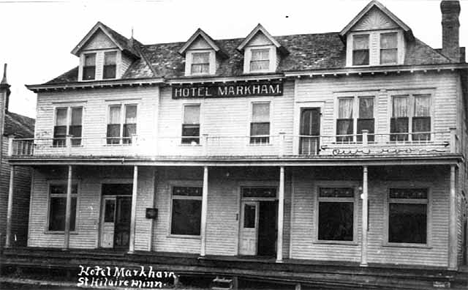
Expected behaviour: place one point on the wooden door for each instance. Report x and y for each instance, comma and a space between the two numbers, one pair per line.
122, 222
309, 131
249, 229
107, 222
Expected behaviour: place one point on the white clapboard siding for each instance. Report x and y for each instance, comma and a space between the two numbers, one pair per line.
303, 231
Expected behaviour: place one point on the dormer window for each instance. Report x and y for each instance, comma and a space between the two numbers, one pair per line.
200, 63
110, 65
260, 60
388, 48
89, 67
361, 49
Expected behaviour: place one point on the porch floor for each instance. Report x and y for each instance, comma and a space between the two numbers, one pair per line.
290, 271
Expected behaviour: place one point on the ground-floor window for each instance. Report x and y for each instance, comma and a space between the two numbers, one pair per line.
57, 207
336, 214
186, 210
407, 215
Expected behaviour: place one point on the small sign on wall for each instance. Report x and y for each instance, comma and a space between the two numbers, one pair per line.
151, 213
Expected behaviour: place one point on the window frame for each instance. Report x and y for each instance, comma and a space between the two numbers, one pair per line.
356, 210
179, 183
411, 96
388, 49
356, 96
182, 137
123, 112
272, 57
353, 50
62, 195
251, 110
104, 77
84, 66
207, 64
268, 60
386, 219
75, 141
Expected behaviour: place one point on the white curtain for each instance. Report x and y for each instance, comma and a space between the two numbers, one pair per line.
192, 114
130, 114
260, 112
400, 106
345, 108
114, 115
422, 106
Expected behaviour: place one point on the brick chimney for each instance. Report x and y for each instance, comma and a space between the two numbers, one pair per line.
450, 29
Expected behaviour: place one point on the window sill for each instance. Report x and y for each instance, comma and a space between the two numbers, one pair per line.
190, 237
118, 145
259, 144
191, 145
60, 233
406, 245
342, 243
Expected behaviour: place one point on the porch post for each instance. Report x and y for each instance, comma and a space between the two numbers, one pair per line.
204, 211
66, 238
279, 251
10, 207
133, 213
365, 209
452, 262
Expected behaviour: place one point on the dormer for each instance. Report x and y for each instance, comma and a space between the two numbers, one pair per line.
104, 54
376, 37
202, 54
262, 52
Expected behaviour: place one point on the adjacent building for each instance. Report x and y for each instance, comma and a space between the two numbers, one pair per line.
13, 125
345, 147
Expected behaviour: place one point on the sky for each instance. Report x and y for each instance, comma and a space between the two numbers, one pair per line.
37, 36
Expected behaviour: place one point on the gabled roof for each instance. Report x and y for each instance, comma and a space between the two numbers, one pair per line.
383, 9
207, 38
124, 44
253, 33
18, 125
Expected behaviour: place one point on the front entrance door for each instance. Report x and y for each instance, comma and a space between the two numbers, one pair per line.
309, 131
249, 228
116, 215
258, 228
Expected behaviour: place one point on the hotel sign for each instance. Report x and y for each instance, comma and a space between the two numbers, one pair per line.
223, 90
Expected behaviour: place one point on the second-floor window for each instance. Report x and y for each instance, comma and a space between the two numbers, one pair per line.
260, 59
200, 63
361, 52
110, 65
191, 124
122, 124
348, 112
68, 122
411, 114
89, 67
388, 48
260, 124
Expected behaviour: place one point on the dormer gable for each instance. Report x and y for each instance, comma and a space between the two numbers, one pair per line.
104, 54
376, 37
202, 54
262, 52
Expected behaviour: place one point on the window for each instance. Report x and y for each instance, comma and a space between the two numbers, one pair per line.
57, 207
191, 125
411, 114
258, 192
260, 59
110, 65
68, 121
121, 124
89, 67
361, 49
407, 215
388, 48
186, 211
350, 108
336, 214
260, 124
200, 63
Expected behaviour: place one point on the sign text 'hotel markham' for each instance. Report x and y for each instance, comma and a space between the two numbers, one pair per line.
227, 90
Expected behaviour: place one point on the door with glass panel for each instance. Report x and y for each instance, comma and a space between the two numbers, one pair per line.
309, 131
249, 228
107, 222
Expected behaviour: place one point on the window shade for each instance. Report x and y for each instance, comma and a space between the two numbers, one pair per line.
192, 114
260, 112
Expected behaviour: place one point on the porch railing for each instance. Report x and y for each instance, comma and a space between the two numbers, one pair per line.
222, 145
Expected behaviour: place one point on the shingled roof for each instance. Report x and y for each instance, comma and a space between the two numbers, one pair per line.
306, 52
18, 125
